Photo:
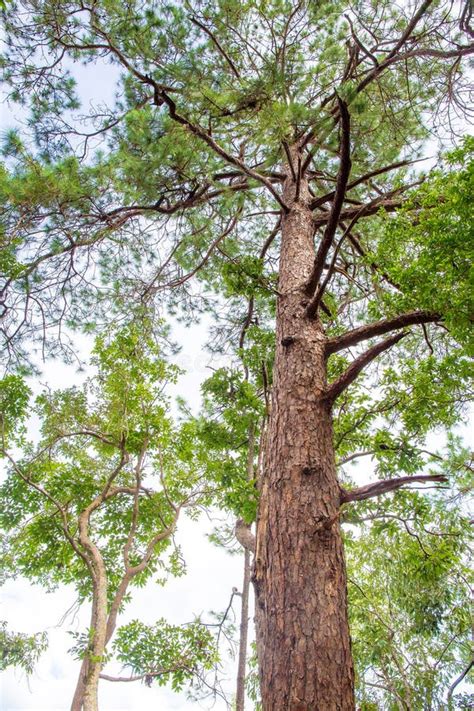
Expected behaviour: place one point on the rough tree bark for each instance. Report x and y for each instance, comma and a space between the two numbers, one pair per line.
303, 637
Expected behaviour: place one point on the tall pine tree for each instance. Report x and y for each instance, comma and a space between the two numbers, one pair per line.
258, 163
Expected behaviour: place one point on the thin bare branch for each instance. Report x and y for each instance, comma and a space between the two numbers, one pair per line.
392, 56
364, 178
221, 49
457, 681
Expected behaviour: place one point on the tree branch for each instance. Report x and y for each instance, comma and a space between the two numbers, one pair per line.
383, 487
333, 219
371, 208
355, 368
162, 97
266, 245
138, 677
146, 676
393, 54
379, 328
364, 178
214, 39
457, 681
183, 279
316, 302
132, 570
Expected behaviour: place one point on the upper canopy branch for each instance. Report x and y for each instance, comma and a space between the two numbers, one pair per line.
393, 54
379, 328
402, 49
383, 487
363, 179
333, 219
216, 42
161, 96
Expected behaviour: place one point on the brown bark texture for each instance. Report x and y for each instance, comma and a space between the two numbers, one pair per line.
303, 640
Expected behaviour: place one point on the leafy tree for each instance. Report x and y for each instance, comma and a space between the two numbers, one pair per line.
409, 603
20, 650
258, 164
95, 503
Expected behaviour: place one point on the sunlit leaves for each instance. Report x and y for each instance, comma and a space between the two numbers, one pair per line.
408, 599
165, 653
14, 397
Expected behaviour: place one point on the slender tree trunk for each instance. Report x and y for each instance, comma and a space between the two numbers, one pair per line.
78, 697
303, 637
243, 637
86, 696
244, 613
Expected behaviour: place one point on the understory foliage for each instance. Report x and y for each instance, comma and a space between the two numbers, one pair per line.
108, 455
162, 198
20, 650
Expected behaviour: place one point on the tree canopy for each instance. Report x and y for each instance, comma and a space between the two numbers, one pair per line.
230, 123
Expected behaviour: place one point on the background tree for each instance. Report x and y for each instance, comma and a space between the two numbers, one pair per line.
95, 504
20, 650
263, 149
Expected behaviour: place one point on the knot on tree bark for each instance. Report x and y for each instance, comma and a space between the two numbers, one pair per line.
324, 523
312, 470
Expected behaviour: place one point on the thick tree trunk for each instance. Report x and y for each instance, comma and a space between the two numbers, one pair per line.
301, 612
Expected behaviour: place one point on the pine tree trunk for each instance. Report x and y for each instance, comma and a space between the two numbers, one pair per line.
303, 637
